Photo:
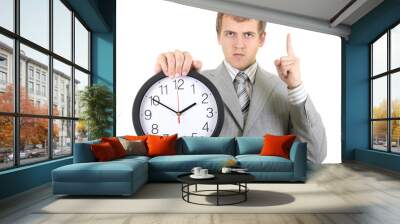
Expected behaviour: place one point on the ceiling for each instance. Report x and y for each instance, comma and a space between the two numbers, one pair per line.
326, 16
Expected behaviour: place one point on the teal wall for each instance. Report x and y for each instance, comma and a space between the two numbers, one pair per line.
102, 58
99, 15
355, 128
103, 64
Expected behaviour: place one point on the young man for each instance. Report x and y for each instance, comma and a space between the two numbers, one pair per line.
256, 102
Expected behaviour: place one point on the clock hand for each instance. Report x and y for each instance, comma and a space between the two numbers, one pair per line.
187, 108
165, 106
178, 113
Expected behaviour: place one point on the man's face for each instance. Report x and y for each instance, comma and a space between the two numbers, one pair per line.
240, 41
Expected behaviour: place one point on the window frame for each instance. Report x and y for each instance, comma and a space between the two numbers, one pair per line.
15, 71
388, 74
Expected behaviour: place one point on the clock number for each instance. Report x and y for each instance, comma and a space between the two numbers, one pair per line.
154, 103
162, 87
147, 114
154, 128
210, 112
205, 95
194, 92
178, 84
205, 127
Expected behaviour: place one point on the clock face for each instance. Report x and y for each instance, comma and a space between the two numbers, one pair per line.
188, 105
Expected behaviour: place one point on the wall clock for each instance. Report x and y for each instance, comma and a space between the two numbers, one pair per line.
188, 105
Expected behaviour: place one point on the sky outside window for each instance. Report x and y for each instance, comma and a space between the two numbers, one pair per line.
7, 13
35, 21
62, 29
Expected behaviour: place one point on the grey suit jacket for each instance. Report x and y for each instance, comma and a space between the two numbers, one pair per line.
270, 112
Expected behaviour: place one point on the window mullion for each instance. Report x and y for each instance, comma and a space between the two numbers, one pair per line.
73, 82
16, 84
371, 140
50, 81
389, 106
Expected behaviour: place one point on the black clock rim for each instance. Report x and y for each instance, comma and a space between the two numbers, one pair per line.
155, 78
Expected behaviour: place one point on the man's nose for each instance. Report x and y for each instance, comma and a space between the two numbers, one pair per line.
239, 42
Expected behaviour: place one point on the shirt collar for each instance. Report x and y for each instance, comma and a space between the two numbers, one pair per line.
250, 71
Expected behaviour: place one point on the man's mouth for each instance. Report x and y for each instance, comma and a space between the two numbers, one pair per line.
238, 55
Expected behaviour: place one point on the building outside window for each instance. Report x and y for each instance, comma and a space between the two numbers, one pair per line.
30, 72
30, 87
43, 90
38, 89
3, 61
43, 78
3, 78
37, 75
3, 72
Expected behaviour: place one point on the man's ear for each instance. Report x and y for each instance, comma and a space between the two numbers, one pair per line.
262, 39
219, 38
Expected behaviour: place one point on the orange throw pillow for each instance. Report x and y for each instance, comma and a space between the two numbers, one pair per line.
161, 145
103, 151
116, 145
135, 138
277, 145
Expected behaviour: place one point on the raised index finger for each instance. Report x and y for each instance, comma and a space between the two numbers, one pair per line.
289, 46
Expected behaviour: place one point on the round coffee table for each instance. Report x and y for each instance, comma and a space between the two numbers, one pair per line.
238, 179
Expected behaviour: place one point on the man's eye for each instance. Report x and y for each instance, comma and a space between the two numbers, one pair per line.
230, 34
247, 35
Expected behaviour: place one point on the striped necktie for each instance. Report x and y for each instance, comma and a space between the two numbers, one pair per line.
243, 91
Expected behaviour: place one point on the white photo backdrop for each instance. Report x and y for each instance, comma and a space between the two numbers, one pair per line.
147, 28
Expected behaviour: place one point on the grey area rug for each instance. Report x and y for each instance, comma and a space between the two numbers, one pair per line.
166, 198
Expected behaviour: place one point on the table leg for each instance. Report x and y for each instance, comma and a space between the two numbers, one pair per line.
217, 194
188, 189
245, 191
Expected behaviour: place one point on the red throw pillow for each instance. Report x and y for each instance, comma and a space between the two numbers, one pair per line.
134, 138
277, 145
161, 145
103, 151
116, 145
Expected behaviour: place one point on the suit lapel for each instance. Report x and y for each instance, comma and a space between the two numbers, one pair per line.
262, 90
224, 84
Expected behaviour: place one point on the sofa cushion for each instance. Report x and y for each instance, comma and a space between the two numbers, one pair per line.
185, 163
249, 145
116, 145
132, 158
103, 151
275, 145
111, 171
161, 145
257, 163
134, 147
207, 145
134, 137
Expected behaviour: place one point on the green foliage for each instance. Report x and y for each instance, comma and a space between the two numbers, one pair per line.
97, 106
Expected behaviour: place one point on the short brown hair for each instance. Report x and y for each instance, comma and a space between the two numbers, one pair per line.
220, 15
